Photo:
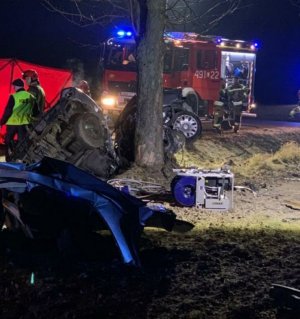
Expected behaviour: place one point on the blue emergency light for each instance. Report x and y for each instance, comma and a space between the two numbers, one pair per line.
122, 34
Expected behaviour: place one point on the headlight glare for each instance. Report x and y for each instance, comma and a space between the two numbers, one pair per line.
108, 101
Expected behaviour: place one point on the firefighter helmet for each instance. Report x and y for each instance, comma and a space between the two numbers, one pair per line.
31, 74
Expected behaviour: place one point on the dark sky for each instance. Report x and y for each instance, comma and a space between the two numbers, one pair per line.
29, 32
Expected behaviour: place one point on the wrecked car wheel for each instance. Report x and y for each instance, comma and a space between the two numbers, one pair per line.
88, 130
189, 124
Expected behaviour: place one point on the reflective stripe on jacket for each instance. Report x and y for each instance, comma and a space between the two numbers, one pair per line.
22, 110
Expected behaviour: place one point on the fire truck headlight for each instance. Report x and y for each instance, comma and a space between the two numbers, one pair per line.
252, 106
108, 101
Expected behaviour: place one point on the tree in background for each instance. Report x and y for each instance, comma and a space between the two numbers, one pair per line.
148, 19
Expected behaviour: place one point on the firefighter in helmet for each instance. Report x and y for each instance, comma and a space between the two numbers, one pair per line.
218, 109
236, 95
34, 87
17, 114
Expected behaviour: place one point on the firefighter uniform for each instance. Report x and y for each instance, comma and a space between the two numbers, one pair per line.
236, 95
218, 109
17, 113
34, 87
38, 92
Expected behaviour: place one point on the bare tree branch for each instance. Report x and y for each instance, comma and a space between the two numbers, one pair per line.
205, 14
85, 13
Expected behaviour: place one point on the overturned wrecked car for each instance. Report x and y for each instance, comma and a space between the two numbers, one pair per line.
74, 130
51, 198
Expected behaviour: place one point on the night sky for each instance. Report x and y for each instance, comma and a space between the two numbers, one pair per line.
29, 32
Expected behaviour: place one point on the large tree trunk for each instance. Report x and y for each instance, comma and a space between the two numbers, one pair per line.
150, 51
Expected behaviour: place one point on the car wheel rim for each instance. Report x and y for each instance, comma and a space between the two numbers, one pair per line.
187, 124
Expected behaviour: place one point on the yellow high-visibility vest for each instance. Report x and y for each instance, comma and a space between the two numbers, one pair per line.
22, 110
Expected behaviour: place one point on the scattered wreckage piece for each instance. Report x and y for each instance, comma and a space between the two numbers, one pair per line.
138, 188
50, 196
74, 130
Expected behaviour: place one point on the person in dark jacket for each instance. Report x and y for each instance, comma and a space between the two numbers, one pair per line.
218, 109
236, 93
34, 87
17, 114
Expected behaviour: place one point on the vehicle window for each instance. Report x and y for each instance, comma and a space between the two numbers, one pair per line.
168, 61
121, 58
207, 59
181, 59
115, 56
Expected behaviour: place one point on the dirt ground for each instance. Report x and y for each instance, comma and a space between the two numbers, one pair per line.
223, 269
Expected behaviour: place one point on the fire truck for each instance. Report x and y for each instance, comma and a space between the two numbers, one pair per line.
193, 64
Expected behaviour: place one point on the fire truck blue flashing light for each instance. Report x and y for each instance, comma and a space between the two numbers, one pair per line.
122, 33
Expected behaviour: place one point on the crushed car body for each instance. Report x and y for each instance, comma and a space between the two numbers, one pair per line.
49, 196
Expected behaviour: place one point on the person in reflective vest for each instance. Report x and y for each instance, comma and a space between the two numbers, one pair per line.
17, 114
236, 95
34, 87
218, 109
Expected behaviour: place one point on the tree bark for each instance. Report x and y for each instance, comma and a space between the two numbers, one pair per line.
150, 52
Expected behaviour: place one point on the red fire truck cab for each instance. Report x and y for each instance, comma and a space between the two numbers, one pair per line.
192, 62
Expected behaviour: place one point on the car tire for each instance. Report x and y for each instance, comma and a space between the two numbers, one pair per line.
189, 124
89, 131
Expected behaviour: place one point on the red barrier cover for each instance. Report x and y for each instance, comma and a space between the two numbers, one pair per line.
52, 80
